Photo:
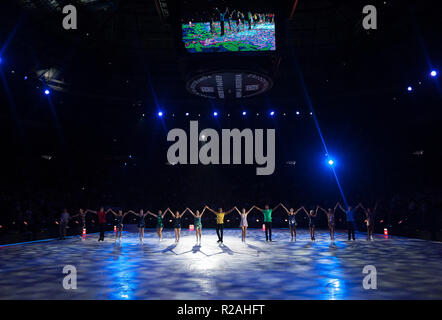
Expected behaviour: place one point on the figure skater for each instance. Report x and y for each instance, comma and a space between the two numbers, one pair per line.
176, 223
292, 220
267, 212
350, 218
64, 220
222, 17
229, 19
331, 220
82, 214
120, 216
101, 221
197, 222
212, 28
141, 223
312, 214
243, 224
370, 220
220, 222
249, 19
160, 223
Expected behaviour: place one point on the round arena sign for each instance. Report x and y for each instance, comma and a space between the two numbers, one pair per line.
229, 84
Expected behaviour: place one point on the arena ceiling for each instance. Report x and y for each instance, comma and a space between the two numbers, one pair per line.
128, 42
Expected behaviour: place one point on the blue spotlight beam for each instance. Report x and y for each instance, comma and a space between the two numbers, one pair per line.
312, 111
422, 43
12, 106
11, 36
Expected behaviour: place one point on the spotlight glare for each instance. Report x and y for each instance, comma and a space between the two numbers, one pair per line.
187, 114
244, 113
160, 113
409, 89
297, 113
331, 162
47, 92
272, 113
433, 73
215, 114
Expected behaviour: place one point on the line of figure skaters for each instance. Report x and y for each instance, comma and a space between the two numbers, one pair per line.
220, 214
238, 18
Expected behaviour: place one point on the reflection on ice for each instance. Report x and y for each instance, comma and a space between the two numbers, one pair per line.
236, 270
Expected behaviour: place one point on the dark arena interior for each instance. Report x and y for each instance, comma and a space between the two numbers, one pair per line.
112, 105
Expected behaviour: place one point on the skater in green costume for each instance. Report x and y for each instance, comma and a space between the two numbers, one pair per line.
160, 224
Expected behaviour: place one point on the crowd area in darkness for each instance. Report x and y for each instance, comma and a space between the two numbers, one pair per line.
35, 214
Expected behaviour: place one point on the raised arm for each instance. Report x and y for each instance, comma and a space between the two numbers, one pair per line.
202, 212
362, 207
148, 212
257, 208
168, 210
316, 211
191, 212
250, 210
213, 211
340, 207
165, 212
306, 212
322, 209
125, 214
276, 207
74, 216
286, 210
227, 212
296, 212
111, 211
336, 206
91, 211
237, 210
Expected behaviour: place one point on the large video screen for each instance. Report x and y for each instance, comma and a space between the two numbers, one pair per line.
229, 30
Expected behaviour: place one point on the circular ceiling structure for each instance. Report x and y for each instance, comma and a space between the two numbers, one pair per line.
229, 84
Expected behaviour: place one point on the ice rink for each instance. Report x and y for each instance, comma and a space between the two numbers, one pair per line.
406, 268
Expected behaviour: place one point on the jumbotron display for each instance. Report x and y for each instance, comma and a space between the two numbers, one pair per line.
229, 31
